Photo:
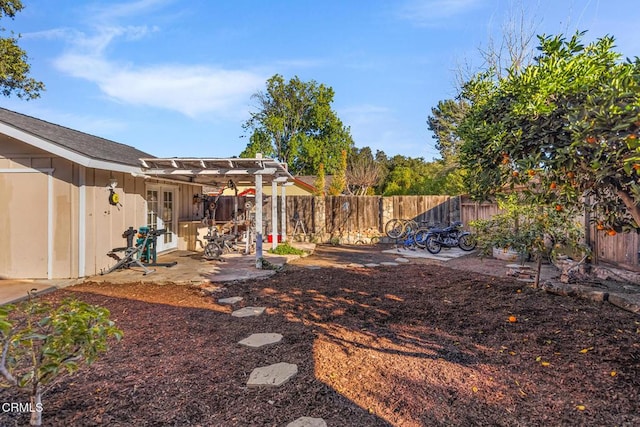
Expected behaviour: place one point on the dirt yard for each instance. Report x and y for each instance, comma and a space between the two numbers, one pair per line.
411, 345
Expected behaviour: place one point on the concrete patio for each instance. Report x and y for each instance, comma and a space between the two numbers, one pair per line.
190, 269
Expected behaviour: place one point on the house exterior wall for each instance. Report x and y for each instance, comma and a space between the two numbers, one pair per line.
55, 217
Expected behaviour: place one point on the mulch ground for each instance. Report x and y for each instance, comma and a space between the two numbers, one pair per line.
414, 345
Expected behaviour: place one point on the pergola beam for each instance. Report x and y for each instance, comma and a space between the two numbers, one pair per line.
225, 172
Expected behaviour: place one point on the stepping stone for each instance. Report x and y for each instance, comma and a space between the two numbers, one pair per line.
355, 265
313, 267
389, 264
372, 265
258, 340
401, 260
249, 311
231, 300
272, 375
308, 422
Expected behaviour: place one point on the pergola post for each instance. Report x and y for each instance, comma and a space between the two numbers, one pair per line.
258, 220
274, 214
283, 212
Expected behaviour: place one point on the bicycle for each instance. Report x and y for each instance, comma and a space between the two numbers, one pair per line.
413, 238
396, 228
217, 244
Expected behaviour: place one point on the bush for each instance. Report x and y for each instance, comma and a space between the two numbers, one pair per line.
286, 249
41, 342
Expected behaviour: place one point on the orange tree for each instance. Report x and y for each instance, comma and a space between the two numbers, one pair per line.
563, 130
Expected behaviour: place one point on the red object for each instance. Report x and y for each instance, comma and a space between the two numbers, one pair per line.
270, 238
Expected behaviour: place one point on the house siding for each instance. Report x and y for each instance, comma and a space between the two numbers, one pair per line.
63, 226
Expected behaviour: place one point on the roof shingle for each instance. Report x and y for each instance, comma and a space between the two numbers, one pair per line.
82, 143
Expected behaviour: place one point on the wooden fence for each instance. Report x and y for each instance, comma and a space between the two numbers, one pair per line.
620, 250
350, 218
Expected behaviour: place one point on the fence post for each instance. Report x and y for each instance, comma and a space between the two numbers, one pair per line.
319, 217
387, 211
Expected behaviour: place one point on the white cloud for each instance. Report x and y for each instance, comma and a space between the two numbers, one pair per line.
433, 12
190, 90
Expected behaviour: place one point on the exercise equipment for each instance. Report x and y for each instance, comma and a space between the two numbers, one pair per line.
143, 253
148, 238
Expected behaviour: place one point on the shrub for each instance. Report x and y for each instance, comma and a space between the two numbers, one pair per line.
41, 342
286, 249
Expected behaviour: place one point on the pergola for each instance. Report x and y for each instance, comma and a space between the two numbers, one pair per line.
256, 171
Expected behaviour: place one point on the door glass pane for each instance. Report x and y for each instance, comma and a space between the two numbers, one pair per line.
167, 215
152, 208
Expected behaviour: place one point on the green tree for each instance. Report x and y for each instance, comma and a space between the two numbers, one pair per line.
564, 129
410, 176
295, 123
339, 181
14, 65
443, 122
41, 342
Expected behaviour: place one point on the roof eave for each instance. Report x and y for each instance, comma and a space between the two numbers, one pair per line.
65, 153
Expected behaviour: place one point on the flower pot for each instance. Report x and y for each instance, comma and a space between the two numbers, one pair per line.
270, 238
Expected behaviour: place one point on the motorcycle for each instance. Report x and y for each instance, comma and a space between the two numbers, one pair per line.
450, 237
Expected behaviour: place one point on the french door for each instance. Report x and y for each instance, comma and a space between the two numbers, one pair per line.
161, 214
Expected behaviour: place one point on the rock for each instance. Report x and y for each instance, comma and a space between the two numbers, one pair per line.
308, 422
230, 300
249, 311
629, 302
272, 375
259, 340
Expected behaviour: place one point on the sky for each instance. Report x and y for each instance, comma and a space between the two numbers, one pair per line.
175, 78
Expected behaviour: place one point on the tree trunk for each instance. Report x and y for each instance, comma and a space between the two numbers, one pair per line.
536, 281
631, 205
36, 407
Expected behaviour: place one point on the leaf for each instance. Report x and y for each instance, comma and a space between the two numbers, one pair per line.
585, 350
581, 407
545, 364
5, 327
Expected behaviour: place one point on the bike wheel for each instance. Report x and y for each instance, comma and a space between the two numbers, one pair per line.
374, 240
467, 242
212, 251
432, 244
394, 228
421, 237
410, 226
